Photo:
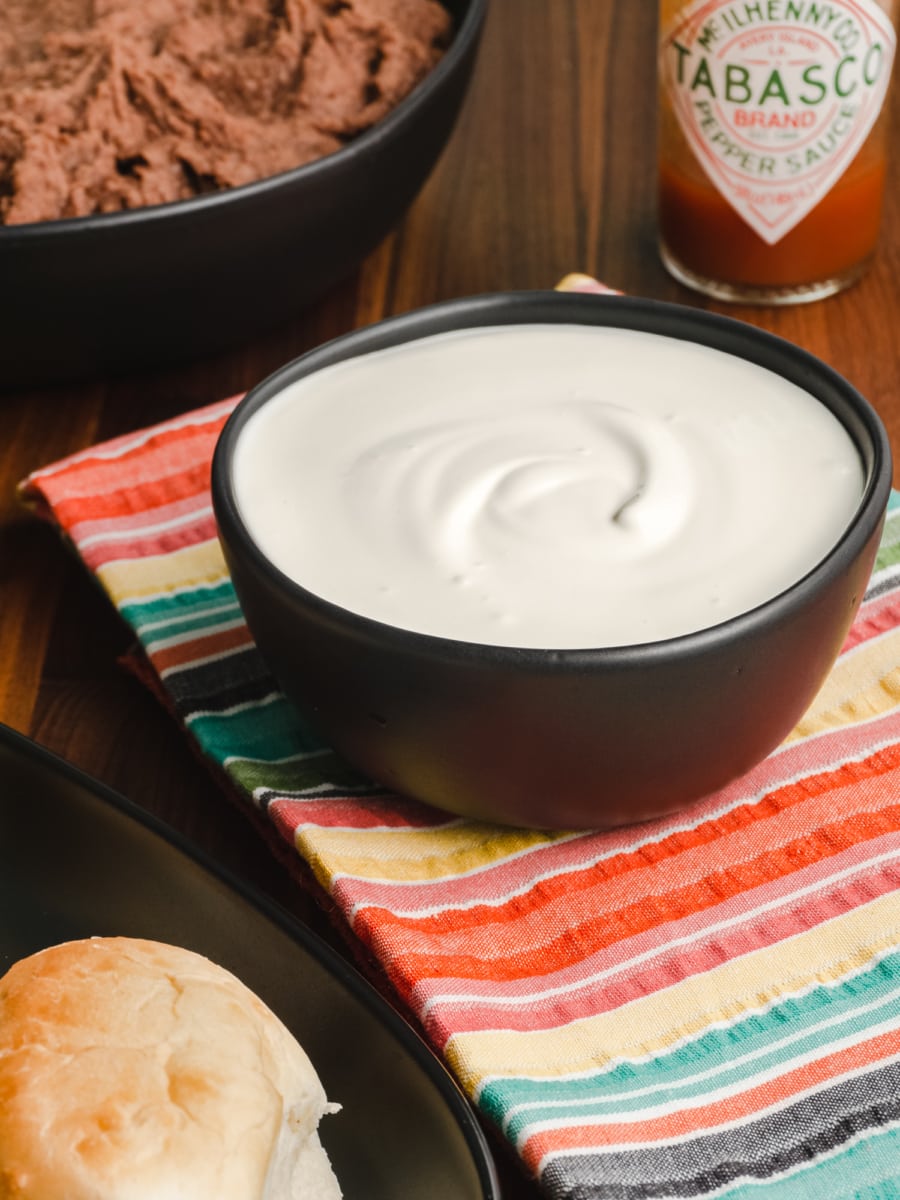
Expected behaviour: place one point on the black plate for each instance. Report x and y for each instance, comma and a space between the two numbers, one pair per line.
77, 859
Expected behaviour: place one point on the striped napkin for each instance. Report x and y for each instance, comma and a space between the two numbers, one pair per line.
705, 1005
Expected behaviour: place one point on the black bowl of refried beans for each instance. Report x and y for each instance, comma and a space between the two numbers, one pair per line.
177, 176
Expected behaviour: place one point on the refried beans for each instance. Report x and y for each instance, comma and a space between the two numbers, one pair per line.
116, 104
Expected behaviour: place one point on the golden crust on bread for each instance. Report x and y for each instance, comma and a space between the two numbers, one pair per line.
131, 1069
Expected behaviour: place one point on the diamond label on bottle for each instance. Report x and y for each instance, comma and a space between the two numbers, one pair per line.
776, 97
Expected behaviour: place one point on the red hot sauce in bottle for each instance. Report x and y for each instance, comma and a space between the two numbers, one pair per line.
773, 138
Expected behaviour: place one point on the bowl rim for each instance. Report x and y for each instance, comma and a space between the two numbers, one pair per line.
465, 39
549, 306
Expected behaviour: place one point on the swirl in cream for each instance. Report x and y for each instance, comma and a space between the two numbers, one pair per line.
546, 486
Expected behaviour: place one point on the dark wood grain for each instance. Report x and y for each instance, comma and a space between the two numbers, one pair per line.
551, 169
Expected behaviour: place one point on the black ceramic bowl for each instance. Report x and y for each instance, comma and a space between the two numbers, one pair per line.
561, 738
88, 296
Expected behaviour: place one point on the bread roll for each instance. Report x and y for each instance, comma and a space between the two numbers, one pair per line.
131, 1070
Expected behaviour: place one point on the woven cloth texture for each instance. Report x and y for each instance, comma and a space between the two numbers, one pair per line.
705, 1005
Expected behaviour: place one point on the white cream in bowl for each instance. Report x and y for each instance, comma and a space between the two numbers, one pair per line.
546, 486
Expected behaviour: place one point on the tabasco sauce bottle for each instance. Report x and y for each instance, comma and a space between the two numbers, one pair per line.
773, 136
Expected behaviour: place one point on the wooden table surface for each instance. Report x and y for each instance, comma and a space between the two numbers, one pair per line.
551, 169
